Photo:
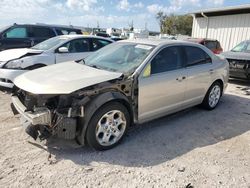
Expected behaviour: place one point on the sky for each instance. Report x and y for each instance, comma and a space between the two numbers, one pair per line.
90, 13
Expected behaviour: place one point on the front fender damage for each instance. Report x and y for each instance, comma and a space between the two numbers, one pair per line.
71, 113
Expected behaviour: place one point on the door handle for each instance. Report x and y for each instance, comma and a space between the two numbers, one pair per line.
211, 71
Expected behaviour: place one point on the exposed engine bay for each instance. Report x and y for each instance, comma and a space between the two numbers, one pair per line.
65, 116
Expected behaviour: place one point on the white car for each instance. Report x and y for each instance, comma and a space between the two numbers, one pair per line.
55, 50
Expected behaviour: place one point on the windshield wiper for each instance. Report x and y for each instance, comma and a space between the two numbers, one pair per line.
94, 66
78, 61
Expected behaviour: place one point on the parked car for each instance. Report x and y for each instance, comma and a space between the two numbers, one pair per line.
102, 34
27, 35
127, 82
55, 50
114, 38
213, 45
239, 60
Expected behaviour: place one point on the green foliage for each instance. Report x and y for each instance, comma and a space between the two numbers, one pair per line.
174, 24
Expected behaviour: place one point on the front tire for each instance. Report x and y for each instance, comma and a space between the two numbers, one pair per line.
213, 96
108, 126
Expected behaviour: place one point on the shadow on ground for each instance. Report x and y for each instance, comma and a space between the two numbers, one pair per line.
166, 138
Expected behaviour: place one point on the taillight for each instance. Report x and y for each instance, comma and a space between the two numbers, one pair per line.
218, 51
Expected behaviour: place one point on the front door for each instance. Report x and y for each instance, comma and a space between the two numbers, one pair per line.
162, 92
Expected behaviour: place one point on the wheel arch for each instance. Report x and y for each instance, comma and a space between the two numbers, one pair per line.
220, 82
95, 104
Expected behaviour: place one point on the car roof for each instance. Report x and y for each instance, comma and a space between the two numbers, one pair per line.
155, 42
47, 25
75, 36
200, 39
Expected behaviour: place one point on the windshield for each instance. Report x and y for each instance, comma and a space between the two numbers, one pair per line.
242, 47
119, 57
50, 43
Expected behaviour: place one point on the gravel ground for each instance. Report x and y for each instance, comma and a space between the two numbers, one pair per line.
193, 148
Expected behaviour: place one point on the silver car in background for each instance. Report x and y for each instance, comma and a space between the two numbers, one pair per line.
14, 62
125, 83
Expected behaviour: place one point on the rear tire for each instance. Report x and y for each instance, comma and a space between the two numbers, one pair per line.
108, 126
213, 96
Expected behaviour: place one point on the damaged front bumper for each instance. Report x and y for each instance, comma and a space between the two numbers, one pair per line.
43, 122
41, 116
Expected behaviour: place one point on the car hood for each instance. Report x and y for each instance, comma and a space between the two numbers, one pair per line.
62, 78
8, 55
236, 55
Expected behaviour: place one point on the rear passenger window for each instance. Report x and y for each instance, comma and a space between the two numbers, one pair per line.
99, 43
167, 60
18, 32
67, 32
196, 56
42, 32
77, 45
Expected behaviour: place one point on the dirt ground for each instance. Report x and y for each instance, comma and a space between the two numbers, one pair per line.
193, 148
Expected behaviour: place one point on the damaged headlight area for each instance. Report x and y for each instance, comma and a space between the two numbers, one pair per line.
14, 64
46, 115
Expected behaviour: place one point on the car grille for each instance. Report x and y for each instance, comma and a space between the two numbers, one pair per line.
239, 64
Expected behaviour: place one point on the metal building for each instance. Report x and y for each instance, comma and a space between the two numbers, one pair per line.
229, 25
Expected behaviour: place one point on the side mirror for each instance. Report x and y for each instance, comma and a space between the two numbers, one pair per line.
63, 50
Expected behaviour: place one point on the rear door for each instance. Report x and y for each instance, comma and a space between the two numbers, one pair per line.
162, 92
16, 37
77, 50
39, 34
199, 69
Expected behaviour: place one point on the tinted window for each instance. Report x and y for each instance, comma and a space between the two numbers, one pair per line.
42, 32
18, 32
166, 60
196, 56
218, 44
79, 45
99, 43
212, 45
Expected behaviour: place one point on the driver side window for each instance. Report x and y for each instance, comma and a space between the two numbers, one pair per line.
167, 59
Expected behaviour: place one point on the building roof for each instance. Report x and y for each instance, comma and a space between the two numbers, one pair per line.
231, 10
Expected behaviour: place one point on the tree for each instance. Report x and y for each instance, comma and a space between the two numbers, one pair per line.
160, 16
175, 24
